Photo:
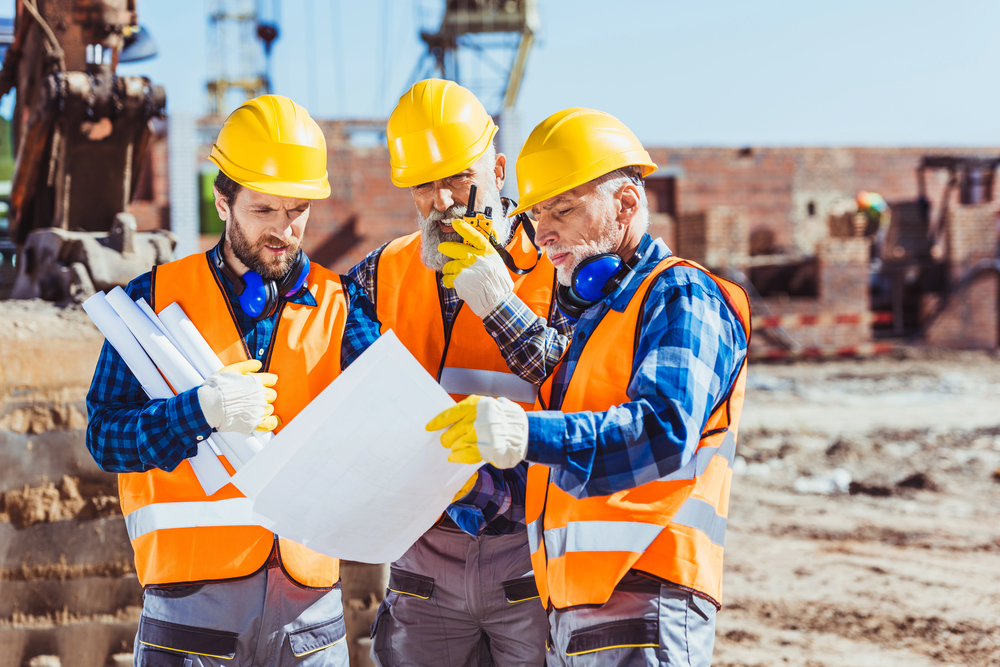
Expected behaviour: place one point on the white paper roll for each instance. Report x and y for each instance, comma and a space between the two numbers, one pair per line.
206, 361
179, 372
147, 310
128, 347
189, 339
211, 474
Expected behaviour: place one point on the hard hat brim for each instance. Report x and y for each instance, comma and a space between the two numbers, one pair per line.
575, 180
310, 189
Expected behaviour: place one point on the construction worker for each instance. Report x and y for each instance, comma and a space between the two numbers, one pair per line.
635, 432
464, 594
219, 590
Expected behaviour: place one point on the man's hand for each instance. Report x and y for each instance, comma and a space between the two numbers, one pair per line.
477, 271
238, 398
494, 430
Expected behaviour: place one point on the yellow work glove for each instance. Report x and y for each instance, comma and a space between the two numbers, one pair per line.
238, 398
477, 271
466, 487
482, 428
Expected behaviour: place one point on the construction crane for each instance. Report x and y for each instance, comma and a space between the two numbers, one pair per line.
81, 134
482, 28
239, 45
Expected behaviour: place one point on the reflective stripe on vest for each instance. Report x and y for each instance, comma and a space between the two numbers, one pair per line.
163, 516
469, 381
672, 528
178, 534
604, 535
463, 359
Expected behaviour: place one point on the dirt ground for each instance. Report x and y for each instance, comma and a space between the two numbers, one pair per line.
899, 566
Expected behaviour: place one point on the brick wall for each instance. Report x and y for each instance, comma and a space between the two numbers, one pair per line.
969, 321
842, 284
776, 185
972, 235
717, 237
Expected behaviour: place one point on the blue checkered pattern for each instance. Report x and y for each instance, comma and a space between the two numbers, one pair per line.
128, 432
495, 505
691, 348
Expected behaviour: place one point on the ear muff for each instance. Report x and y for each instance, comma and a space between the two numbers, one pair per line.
258, 297
595, 278
293, 282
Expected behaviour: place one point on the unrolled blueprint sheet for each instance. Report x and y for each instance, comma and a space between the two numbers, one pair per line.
355, 475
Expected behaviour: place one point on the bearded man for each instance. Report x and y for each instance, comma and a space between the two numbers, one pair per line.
464, 594
634, 434
218, 589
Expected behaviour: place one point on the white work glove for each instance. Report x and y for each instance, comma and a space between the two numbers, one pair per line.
482, 428
476, 271
238, 399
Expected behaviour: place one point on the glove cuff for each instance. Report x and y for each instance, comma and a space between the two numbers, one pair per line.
210, 400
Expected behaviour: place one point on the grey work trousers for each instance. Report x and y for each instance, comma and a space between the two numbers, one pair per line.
460, 601
644, 623
265, 620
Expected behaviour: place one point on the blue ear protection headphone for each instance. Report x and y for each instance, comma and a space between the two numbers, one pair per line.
595, 278
259, 297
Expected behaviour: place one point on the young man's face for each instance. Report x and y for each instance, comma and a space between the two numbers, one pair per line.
439, 202
264, 231
575, 225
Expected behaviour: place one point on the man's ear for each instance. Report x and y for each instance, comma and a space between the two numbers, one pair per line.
221, 205
500, 170
628, 199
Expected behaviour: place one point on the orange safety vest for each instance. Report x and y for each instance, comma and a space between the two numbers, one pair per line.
464, 358
671, 529
179, 534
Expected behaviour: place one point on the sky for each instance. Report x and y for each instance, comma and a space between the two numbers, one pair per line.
726, 72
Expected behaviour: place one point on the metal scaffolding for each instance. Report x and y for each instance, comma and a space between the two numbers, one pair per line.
484, 45
239, 45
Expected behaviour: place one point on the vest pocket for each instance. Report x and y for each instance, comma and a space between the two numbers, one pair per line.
616, 634
408, 583
153, 657
187, 639
317, 637
520, 590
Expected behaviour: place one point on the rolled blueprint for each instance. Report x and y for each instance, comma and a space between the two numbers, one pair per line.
190, 341
148, 311
211, 474
178, 371
200, 353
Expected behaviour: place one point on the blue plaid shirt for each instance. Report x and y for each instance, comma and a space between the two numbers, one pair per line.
691, 348
531, 348
129, 432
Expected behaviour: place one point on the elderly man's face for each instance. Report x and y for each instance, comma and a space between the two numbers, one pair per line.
576, 225
439, 202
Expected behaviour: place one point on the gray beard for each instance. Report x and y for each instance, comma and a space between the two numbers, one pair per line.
431, 235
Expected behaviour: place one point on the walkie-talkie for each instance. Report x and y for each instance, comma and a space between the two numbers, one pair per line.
481, 221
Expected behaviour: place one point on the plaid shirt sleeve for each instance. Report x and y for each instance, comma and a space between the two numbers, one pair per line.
362, 327
128, 431
531, 346
690, 351
364, 274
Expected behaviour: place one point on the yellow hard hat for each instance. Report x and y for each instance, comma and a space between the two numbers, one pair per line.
437, 130
271, 145
573, 147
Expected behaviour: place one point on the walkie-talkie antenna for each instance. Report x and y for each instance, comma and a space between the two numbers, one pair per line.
470, 211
